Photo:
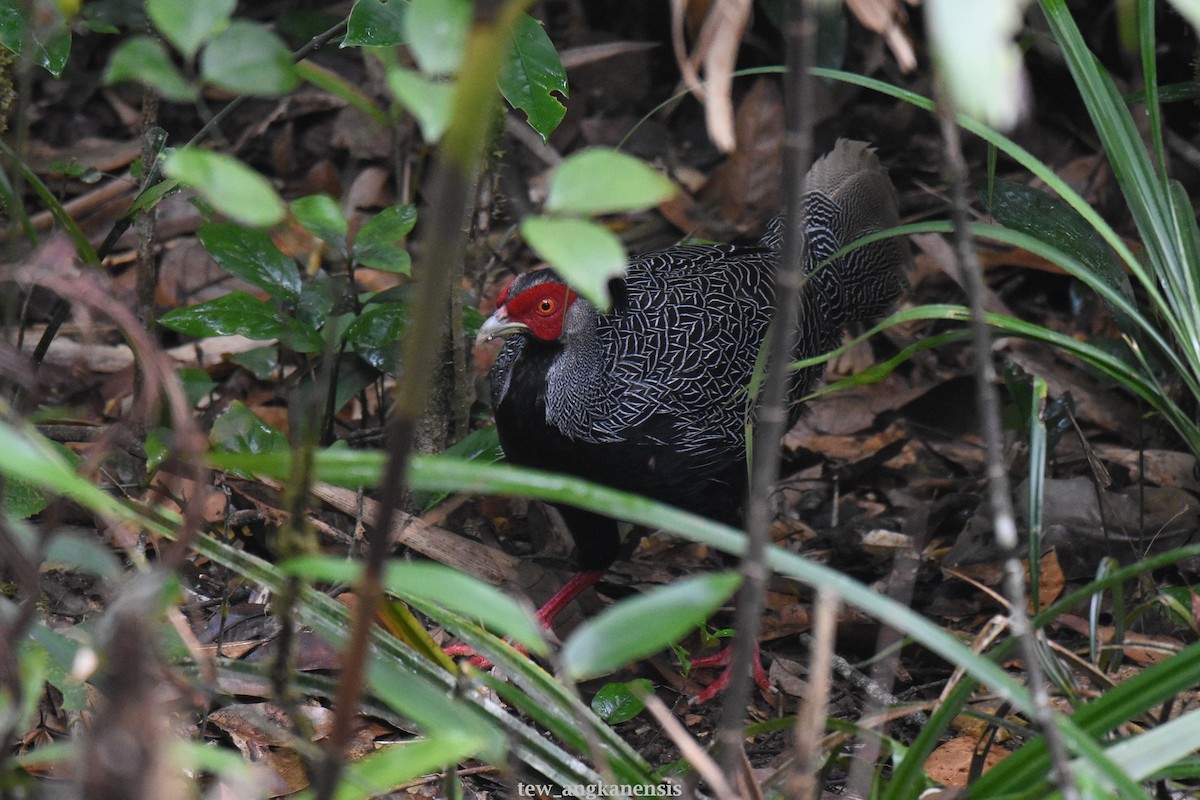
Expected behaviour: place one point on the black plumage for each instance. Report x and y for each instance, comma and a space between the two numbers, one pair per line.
652, 396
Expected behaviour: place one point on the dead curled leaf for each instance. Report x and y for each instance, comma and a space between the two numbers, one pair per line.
950, 763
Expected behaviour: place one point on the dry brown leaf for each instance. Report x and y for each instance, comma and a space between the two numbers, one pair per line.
1051, 579
950, 763
748, 187
887, 18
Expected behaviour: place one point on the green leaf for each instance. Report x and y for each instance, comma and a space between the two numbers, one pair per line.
430, 101
603, 181
236, 312
1048, 219
428, 582
158, 447
389, 767
146, 61
22, 499
436, 32
187, 23
374, 334
249, 59
261, 361
249, 254
531, 75
377, 244
51, 38
240, 431
620, 702
196, 384
587, 255
228, 185
320, 215
373, 23
642, 625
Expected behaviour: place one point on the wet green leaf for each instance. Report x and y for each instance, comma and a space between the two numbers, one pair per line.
321, 216
373, 23
236, 312
240, 431
378, 242
620, 702
249, 254
532, 75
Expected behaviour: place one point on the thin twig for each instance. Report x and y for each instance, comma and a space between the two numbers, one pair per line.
772, 412
999, 491
810, 721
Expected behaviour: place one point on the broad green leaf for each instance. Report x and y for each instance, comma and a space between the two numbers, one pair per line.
227, 184
321, 216
428, 100
604, 181
236, 312
377, 244
373, 23
187, 23
249, 59
146, 61
386, 769
197, 384
639, 626
978, 58
249, 254
1048, 219
239, 430
375, 332
51, 37
261, 361
436, 32
531, 75
620, 702
439, 585
315, 306
586, 254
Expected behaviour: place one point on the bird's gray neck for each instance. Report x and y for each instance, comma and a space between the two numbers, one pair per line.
574, 383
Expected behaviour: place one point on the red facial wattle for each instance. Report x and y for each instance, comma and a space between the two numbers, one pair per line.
541, 308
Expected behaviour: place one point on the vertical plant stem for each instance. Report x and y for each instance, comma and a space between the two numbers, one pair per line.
810, 720
999, 491
772, 413
450, 190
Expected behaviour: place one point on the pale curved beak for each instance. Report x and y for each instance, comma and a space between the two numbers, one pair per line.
498, 326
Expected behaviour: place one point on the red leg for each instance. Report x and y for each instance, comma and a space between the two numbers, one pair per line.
721, 659
579, 582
